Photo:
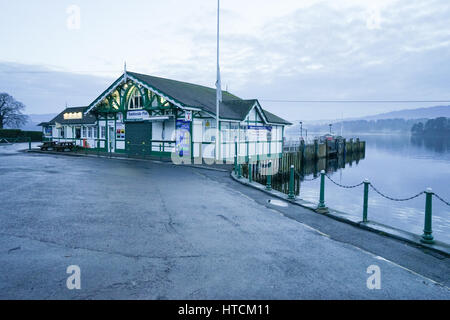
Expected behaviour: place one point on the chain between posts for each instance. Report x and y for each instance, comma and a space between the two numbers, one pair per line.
382, 194
396, 199
343, 186
443, 201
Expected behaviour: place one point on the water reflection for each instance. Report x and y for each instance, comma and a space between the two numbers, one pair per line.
431, 147
435, 144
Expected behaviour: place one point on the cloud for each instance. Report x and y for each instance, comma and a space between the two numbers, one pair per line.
44, 90
305, 50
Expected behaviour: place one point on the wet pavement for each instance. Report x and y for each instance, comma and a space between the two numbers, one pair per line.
150, 230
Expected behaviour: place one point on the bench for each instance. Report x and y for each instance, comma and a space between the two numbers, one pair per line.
63, 146
48, 145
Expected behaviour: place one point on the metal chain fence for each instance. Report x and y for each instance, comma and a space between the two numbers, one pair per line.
444, 201
396, 199
343, 186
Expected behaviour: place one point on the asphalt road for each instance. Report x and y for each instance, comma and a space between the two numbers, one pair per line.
148, 230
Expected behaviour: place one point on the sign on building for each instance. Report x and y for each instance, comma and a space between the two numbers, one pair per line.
138, 115
183, 138
260, 133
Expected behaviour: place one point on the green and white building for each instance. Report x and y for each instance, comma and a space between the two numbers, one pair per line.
151, 116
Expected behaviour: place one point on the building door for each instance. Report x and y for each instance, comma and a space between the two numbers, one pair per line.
138, 138
111, 139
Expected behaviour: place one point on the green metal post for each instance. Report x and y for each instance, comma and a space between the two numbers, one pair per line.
322, 208
291, 183
366, 199
269, 176
427, 236
240, 171
235, 158
249, 170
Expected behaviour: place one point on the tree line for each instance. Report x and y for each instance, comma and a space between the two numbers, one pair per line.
433, 127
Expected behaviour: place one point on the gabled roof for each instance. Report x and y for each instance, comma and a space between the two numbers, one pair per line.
275, 119
189, 95
87, 118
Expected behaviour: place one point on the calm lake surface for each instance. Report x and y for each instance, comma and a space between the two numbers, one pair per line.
398, 166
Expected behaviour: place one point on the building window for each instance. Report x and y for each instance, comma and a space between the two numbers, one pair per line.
209, 130
84, 132
77, 133
61, 132
102, 132
90, 132
243, 133
234, 131
136, 100
225, 131
94, 129
48, 131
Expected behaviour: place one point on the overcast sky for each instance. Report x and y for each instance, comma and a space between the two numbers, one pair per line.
270, 50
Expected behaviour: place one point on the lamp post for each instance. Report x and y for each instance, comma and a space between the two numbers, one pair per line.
301, 129
330, 127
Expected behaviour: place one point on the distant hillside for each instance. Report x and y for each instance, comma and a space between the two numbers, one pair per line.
361, 126
395, 121
35, 119
420, 113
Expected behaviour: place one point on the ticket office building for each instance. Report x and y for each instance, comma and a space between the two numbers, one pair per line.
150, 116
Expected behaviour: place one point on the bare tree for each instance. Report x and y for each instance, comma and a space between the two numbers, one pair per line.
11, 112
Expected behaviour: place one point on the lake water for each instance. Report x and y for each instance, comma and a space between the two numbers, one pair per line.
398, 166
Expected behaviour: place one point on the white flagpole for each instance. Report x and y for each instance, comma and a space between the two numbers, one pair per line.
218, 84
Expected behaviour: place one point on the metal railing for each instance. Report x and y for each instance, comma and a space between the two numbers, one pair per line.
427, 236
7, 140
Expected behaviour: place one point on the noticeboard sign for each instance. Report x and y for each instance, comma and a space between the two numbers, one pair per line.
261, 133
183, 138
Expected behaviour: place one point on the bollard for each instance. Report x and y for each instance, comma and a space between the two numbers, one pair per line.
321, 208
291, 183
427, 236
269, 176
366, 199
249, 170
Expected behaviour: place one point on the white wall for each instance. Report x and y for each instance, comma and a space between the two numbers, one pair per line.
156, 130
